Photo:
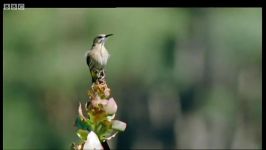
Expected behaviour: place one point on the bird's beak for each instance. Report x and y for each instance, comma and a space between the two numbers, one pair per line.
108, 35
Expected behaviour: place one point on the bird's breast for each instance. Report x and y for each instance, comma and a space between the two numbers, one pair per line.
100, 56
104, 56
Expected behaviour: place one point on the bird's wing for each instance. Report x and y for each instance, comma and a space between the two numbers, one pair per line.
88, 58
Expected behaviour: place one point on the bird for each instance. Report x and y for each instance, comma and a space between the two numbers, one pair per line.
97, 57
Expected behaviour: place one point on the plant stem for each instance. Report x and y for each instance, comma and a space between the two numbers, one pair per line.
105, 145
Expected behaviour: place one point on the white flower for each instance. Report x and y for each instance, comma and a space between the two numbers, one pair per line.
92, 143
111, 106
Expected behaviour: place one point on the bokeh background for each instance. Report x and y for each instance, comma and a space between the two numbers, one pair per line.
182, 77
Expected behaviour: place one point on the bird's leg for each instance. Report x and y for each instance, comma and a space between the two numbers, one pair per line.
94, 75
101, 76
98, 75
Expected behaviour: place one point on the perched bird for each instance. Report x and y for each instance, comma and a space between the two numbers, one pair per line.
97, 57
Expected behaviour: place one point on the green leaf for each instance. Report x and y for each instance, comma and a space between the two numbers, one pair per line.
99, 128
73, 146
77, 146
108, 134
82, 124
82, 134
90, 124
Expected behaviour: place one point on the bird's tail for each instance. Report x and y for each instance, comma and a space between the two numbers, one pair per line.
97, 73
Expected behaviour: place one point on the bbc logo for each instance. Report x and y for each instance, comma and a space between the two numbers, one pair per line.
14, 6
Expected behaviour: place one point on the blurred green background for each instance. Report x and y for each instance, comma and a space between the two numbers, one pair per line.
182, 77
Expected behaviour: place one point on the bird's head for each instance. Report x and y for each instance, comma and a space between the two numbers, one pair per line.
101, 38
